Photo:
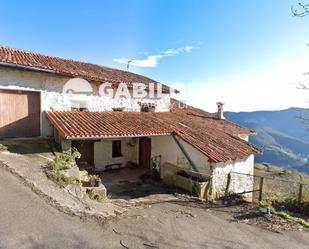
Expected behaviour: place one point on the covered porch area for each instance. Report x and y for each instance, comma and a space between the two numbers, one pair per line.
99, 156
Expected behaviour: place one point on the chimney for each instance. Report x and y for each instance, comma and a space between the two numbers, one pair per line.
220, 110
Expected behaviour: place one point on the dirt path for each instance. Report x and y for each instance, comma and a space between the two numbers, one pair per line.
26, 221
177, 225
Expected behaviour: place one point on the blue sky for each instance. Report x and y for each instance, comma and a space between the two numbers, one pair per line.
230, 50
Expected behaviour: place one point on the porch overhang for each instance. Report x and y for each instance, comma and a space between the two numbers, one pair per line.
210, 137
115, 137
75, 125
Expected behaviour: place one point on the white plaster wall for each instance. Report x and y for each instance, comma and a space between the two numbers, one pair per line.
239, 183
103, 153
167, 148
50, 86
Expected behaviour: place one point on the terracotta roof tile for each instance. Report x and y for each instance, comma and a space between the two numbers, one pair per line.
76, 124
72, 68
217, 139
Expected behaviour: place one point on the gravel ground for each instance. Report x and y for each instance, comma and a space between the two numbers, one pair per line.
26, 221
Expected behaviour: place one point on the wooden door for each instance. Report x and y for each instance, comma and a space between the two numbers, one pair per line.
86, 149
145, 152
19, 113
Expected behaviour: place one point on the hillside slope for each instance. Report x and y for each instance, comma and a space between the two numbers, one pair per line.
282, 134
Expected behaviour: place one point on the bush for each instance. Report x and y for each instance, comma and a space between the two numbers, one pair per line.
58, 177
61, 162
3, 147
65, 160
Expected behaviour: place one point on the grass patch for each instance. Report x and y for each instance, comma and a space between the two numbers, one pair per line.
62, 162
59, 177
65, 160
283, 214
259, 166
289, 217
3, 147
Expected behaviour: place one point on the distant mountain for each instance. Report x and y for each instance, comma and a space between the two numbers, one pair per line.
284, 135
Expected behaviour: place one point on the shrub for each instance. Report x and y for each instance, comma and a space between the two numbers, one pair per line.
65, 160
70, 179
61, 162
3, 147
58, 177
265, 203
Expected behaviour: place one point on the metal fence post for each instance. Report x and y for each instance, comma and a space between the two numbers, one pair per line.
300, 194
261, 188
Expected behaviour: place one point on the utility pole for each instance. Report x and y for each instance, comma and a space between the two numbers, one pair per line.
128, 65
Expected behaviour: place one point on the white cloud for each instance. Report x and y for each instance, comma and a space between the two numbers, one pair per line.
153, 60
272, 90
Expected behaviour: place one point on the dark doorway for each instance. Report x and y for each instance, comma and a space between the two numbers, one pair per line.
145, 152
86, 148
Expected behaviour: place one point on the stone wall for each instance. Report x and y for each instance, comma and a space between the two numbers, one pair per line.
239, 183
50, 86
170, 153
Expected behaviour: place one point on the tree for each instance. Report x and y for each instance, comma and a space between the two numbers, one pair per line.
301, 11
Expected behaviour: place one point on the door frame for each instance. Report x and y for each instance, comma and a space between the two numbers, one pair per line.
79, 143
144, 152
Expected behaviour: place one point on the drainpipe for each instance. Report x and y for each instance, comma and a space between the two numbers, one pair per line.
193, 165
30, 68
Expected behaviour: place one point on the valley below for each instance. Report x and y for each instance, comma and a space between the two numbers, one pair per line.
283, 135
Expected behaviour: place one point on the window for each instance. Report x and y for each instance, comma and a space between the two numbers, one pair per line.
144, 109
116, 149
80, 106
118, 109
81, 109
147, 107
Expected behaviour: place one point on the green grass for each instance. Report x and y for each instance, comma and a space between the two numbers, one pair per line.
58, 177
3, 147
282, 214
260, 166
65, 160
289, 217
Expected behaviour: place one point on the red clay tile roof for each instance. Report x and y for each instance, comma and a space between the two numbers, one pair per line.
71, 68
204, 117
217, 139
76, 124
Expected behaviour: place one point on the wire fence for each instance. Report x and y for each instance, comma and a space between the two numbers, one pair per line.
269, 188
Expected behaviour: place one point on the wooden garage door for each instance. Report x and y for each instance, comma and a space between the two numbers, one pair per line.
19, 113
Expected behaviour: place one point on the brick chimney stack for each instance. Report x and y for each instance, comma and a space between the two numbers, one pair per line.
220, 113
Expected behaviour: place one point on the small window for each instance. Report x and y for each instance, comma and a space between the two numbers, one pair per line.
80, 106
147, 107
118, 109
116, 149
79, 109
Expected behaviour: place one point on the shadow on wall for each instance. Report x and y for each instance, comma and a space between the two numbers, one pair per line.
20, 113
25, 127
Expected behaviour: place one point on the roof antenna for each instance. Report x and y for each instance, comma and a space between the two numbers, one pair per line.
128, 65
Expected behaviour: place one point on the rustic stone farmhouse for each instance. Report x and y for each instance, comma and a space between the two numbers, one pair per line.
115, 133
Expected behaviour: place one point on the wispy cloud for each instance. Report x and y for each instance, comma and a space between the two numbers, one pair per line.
153, 60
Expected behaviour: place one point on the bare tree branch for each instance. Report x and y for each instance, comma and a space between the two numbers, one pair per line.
301, 11
302, 86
